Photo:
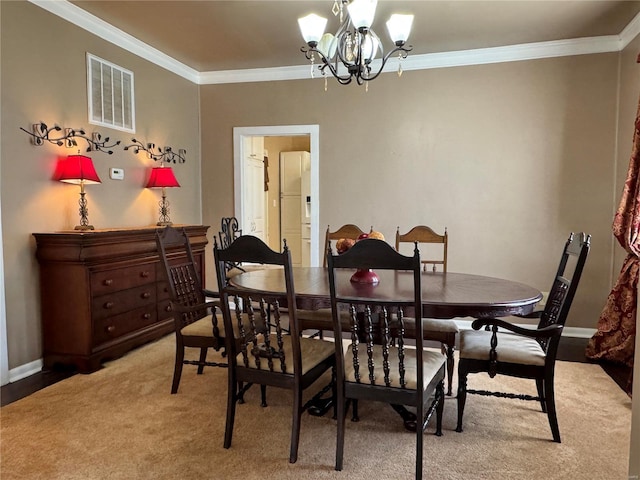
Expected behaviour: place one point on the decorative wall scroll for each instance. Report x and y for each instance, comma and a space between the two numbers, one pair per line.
166, 155
42, 133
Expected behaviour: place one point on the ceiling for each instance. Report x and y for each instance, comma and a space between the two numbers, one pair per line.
211, 36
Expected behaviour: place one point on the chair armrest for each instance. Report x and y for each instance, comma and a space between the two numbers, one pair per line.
546, 332
210, 293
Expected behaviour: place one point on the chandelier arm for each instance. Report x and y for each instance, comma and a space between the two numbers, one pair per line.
308, 51
346, 80
349, 64
404, 51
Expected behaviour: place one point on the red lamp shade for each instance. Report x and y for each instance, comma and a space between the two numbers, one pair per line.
76, 169
162, 177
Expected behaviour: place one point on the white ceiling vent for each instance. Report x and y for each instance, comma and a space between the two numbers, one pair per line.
110, 95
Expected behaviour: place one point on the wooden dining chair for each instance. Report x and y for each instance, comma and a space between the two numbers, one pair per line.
386, 371
319, 320
195, 320
229, 231
438, 330
349, 231
525, 352
269, 351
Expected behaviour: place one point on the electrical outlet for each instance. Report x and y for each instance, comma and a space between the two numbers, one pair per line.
116, 174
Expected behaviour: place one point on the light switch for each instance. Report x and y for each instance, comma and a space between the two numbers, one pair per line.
116, 174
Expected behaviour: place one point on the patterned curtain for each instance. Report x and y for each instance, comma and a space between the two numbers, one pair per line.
615, 338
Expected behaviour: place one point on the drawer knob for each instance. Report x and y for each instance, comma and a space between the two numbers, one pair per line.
108, 305
167, 308
146, 295
146, 316
144, 274
108, 282
111, 328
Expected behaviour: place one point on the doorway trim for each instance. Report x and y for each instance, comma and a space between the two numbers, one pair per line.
313, 131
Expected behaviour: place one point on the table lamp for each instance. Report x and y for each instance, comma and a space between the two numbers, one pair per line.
163, 177
79, 170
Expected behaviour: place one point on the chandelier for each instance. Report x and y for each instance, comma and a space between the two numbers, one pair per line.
349, 54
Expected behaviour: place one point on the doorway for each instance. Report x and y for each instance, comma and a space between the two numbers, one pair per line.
242, 177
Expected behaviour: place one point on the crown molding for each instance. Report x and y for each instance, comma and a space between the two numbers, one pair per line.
630, 32
511, 53
460, 58
106, 31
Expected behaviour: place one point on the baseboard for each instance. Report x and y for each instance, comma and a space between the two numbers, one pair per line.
26, 370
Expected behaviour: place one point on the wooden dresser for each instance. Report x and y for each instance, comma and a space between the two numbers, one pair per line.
103, 292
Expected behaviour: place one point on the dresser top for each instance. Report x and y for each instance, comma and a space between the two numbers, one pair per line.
108, 244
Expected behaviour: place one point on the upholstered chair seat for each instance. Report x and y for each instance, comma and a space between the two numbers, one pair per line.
476, 344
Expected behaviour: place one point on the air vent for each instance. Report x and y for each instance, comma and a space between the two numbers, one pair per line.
110, 95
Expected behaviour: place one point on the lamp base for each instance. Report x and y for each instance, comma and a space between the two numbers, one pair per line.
164, 224
84, 227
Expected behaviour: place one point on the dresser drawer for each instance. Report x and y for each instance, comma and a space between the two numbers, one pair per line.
110, 328
107, 281
114, 304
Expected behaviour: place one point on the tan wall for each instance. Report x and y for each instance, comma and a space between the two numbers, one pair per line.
509, 157
44, 79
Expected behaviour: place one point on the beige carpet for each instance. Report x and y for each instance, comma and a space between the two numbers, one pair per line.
122, 423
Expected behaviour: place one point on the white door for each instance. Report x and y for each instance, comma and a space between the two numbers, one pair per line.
240, 180
254, 199
290, 181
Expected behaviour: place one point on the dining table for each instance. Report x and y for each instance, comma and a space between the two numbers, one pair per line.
444, 295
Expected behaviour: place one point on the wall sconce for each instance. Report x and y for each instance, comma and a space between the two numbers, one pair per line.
163, 177
79, 170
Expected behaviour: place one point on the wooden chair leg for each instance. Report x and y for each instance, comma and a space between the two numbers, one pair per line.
450, 367
232, 399
177, 369
263, 395
240, 392
295, 426
439, 408
334, 392
341, 408
203, 358
541, 395
551, 408
419, 439
462, 394
354, 416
